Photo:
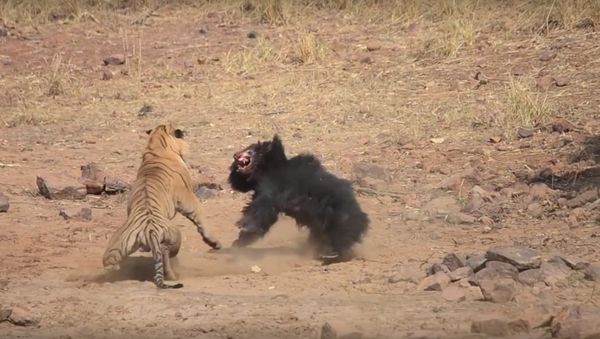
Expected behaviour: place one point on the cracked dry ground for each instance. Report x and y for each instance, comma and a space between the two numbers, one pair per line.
461, 192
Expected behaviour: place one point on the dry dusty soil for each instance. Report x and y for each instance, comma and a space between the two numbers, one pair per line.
454, 148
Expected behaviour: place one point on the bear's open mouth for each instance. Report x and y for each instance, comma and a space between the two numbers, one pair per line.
243, 160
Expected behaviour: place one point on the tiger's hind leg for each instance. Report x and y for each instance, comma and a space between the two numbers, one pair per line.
160, 252
170, 251
190, 208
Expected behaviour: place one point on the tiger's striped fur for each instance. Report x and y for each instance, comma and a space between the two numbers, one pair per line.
162, 188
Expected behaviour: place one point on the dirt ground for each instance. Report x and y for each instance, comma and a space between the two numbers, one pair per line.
421, 99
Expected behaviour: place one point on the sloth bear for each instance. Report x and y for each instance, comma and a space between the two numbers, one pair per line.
300, 188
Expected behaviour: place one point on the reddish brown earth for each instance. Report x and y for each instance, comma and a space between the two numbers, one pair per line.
420, 120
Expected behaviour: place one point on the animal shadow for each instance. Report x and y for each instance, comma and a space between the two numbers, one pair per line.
132, 268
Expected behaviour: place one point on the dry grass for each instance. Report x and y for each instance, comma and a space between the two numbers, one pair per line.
402, 93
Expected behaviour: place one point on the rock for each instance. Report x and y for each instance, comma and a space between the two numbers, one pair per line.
459, 218
519, 326
114, 185
454, 293
107, 74
204, 193
476, 262
583, 198
537, 316
4, 203
457, 180
496, 292
407, 274
566, 330
521, 257
5, 312
504, 270
436, 282
494, 327
83, 213
547, 56
93, 178
373, 46
460, 273
530, 277
338, 329
57, 189
20, 317
535, 209
573, 262
441, 206
363, 170
438, 268
114, 60
592, 272
484, 274
561, 125
454, 261
554, 272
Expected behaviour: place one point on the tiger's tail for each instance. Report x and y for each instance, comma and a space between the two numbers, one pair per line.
159, 268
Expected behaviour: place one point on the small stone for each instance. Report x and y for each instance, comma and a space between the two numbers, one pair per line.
562, 81
496, 292
114, 60
252, 35
517, 70
521, 257
367, 60
476, 262
107, 74
592, 272
84, 213
4, 203
583, 198
524, 133
460, 273
547, 56
57, 189
493, 327
530, 277
436, 282
373, 46
504, 270
338, 329
93, 178
566, 330
20, 317
544, 82
454, 293
454, 261
204, 193
535, 210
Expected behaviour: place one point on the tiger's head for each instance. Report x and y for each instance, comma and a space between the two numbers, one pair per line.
169, 139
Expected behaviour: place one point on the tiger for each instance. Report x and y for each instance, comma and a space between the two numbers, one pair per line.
162, 188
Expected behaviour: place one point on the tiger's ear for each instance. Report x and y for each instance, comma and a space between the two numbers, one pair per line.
179, 134
149, 131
